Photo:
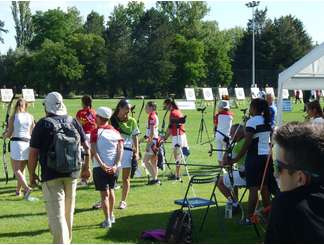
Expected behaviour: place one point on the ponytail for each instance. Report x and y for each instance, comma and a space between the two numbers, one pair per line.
261, 107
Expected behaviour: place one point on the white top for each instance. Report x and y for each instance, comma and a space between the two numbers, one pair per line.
317, 120
153, 120
261, 135
106, 140
22, 123
224, 124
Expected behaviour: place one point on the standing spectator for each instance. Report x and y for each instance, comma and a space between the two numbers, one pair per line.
297, 97
87, 118
297, 214
223, 123
59, 189
314, 112
20, 127
273, 110
107, 150
257, 149
128, 128
178, 133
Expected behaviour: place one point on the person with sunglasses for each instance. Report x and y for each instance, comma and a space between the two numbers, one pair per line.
297, 214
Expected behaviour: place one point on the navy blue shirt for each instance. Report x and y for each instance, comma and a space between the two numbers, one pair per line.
42, 139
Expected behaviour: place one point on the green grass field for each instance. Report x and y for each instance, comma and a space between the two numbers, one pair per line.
149, 207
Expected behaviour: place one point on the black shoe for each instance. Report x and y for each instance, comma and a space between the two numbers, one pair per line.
236, 210
172, 177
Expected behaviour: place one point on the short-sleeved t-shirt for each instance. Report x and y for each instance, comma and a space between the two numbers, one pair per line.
176, 114
42, 139
126, 129
106, 139
240, 164
153, 120
87, 118
261, 135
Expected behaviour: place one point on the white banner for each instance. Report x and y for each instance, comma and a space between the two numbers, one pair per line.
6, 95
269, 90
285, 94
239, 93
208, 94
28, 94
255, 92
186, 105
300, 93
222, 92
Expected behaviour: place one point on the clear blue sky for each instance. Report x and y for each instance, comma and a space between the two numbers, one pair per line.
227, 13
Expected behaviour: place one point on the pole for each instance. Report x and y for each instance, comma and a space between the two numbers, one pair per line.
253, 49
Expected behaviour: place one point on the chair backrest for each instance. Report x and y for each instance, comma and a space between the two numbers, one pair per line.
205, 178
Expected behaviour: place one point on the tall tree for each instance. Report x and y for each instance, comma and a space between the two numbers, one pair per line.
23, 22
94, 24
2, 30
55, 25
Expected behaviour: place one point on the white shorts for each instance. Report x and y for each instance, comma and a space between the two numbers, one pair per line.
238, 180
19, 150
127, 159
180, 140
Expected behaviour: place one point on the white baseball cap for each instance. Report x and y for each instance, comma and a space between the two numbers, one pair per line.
54, 104
104, 112
224, 104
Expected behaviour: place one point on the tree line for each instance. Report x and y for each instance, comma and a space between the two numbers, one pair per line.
145, 51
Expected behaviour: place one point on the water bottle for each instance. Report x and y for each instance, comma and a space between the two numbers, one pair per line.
228, 210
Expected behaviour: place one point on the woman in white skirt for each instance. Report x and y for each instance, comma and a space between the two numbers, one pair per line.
20, 126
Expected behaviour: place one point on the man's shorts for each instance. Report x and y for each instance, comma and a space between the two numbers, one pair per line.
102, 180
237, 179
254, 169
150, 146
180, 140
126, 161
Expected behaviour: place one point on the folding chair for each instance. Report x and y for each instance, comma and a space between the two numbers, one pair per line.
195, 202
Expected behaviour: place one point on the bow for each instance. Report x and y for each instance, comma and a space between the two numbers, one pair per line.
142, 107
4, 146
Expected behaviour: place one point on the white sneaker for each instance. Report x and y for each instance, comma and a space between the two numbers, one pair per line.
112, 219
122, 205
106, 224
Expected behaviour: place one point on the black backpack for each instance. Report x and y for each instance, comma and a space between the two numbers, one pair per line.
179, 229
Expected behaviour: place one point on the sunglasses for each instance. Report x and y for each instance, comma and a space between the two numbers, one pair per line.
279, 166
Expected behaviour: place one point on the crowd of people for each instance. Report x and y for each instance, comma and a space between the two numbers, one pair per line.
109, 141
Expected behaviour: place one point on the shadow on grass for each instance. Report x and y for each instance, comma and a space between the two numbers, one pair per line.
216, 229
23, 233
22, 215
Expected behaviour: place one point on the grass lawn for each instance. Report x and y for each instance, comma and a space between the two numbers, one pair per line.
149, 207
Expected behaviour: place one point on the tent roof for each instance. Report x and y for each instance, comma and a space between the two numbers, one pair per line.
307, 73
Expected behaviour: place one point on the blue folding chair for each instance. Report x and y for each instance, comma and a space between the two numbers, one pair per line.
195, 202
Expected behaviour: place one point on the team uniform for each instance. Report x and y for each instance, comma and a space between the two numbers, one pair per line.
239, 172
87, 119
179, 138
258, 152
153, 120
106, 139
19, 144
223, 120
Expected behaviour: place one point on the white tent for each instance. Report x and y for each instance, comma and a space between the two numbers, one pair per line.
306, 74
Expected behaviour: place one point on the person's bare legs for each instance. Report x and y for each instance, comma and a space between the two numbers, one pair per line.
154, 167
177, 157
265, 194
223, 189
147, 164
126, 183
111, 202
253, 197
105, 203
18, 168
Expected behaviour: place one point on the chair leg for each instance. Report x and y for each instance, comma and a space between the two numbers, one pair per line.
204, 218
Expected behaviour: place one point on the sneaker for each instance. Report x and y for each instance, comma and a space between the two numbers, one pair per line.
122, 205
157, 182
97, 205
117, 187
178, 179
245, 221
83, 183
29, 198
106, 224
113, 219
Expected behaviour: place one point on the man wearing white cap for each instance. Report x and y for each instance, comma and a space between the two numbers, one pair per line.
60, 164
106, 150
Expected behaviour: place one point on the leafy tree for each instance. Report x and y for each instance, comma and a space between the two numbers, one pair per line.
91, 52
152, 54
58, 67
55, 25
94, 24
2, 30
23, 22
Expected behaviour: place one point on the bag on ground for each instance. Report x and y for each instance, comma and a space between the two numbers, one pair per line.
64, 155
179, 229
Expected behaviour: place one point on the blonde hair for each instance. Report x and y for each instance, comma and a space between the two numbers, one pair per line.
19, 105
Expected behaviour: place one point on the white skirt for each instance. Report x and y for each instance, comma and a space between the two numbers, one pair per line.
19, 150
